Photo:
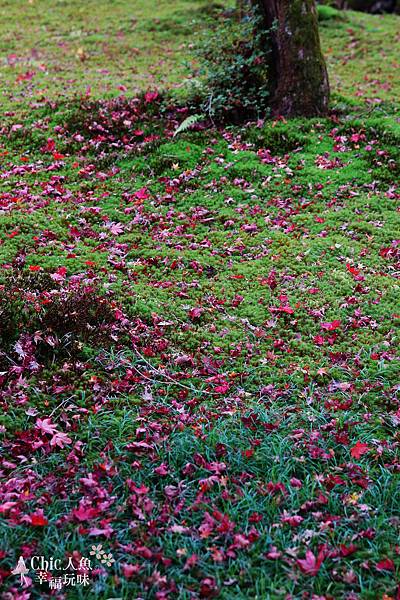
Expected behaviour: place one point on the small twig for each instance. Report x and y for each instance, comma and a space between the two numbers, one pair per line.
60, 405
165, 376
8, 357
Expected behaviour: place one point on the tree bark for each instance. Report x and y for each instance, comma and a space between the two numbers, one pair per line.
299, 79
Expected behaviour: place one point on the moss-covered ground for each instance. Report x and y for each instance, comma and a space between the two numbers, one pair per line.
198, 333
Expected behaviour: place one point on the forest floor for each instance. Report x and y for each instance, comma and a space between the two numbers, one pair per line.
198, 367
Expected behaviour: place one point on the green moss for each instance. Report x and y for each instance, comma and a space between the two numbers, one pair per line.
329, 13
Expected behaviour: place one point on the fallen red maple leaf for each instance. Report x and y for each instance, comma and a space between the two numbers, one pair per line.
359, 449
84, 513
38, 520
311, 564
385, 565
331, 326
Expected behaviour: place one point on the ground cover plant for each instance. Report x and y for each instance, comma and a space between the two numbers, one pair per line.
198, 366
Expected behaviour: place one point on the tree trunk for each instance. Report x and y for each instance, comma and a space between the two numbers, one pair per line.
299, 78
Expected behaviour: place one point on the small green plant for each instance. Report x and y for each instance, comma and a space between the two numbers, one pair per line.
187, 124
233, 71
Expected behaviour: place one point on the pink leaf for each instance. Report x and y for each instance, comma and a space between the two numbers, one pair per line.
46, 426
331, 326
60, 439
311, 564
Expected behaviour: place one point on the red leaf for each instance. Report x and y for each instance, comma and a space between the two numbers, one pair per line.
195, 313
347, 550
311, 564
292, 520
331, 326
385, 565
352, 270
359, 449
46, 426
151, 96
38, 520
191, 562
130, 570
85, 513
